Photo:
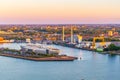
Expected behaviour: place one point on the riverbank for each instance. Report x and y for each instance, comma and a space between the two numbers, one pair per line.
111, 52
57, 58
88, 49
73, 46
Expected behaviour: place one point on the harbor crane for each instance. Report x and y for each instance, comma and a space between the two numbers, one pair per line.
96, 38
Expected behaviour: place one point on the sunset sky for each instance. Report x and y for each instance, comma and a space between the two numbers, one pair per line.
59, 11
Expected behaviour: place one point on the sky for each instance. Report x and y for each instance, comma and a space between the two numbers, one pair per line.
59, 11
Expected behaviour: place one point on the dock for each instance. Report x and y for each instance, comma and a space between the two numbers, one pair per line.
57, 58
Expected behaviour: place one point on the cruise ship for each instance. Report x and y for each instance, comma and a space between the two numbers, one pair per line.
40, 48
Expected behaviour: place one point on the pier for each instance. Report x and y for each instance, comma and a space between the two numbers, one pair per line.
41, 57
58, 58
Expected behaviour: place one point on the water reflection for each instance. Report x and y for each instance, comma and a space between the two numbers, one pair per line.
94, 55
113, 58
80, 57
119, 58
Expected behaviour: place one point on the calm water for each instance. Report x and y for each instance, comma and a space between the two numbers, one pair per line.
93, 66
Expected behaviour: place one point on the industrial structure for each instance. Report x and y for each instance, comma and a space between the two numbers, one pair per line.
79, 38
96, 38
63, 34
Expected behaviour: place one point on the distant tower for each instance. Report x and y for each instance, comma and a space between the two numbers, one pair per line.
63, 34
110, 33
71, 34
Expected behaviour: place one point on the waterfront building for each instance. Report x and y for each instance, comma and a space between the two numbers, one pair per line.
2, 40
28, 40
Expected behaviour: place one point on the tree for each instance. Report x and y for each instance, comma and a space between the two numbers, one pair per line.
112, 47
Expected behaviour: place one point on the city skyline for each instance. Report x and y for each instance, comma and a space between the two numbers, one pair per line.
59, 11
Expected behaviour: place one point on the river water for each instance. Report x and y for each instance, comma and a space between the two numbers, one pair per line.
92, 66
